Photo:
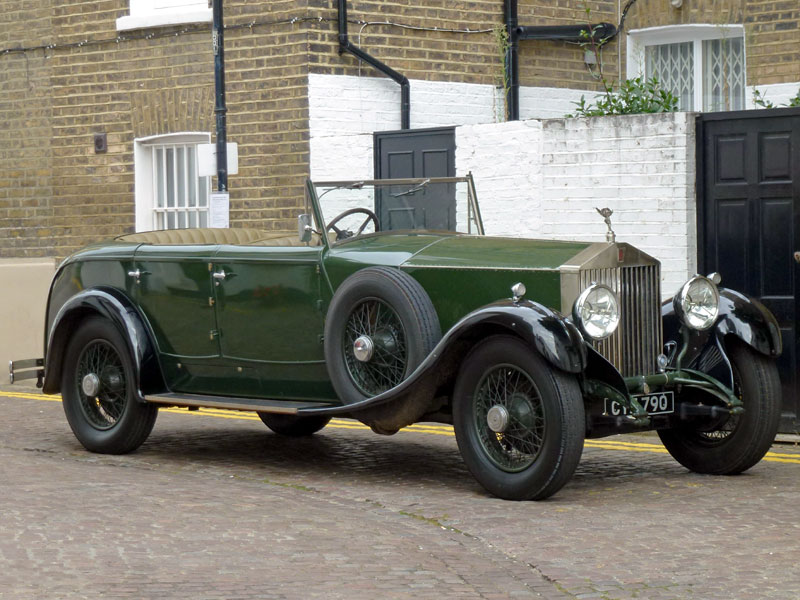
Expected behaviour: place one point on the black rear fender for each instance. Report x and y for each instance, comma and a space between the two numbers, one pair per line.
113, 305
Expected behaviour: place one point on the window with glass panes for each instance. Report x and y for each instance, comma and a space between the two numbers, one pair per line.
704, 66
180, 196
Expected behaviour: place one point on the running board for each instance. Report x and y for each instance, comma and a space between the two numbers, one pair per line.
285, 407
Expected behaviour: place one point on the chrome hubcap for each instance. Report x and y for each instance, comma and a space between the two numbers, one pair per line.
497, 418
363, 348
90, 385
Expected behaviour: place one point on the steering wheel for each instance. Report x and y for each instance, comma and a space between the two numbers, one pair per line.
343, 234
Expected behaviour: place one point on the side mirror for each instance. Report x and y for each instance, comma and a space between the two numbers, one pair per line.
304, 229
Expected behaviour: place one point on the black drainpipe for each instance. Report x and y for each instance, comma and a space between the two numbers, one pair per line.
346, 46
512, 61
516, 32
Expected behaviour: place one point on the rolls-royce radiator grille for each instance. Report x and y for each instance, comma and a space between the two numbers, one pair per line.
634, 347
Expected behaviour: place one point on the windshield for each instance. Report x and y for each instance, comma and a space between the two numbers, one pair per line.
353, 208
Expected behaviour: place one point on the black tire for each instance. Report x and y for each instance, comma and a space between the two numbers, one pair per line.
545, 413
111, 421
292, 425
388, 305
735, 444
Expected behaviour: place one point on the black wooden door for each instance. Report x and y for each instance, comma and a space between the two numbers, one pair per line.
749, 218
416, 153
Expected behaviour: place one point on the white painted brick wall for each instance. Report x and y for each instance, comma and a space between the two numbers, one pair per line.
777, 93
544, 179
534, 178
348, 104
550, 103
505, 161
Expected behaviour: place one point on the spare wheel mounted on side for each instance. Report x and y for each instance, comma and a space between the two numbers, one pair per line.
380, 326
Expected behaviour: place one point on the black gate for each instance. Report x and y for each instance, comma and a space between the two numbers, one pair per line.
416, 153
748, 219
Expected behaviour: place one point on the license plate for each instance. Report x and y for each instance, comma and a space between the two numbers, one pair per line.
662, 403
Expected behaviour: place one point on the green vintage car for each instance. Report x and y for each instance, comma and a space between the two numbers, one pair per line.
389, 305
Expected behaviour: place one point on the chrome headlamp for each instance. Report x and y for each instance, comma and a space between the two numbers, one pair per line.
697, 303
596, 311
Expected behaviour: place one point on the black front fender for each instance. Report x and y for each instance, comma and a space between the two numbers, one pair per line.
554, 337
750, 321
113, 305
739, 315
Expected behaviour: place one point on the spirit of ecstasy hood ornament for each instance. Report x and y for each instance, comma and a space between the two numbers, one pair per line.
606, 214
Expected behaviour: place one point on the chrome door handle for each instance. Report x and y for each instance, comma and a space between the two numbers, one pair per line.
137, 274
219, 276
797, 256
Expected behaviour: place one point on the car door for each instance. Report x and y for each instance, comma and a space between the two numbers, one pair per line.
269, 314
175, 294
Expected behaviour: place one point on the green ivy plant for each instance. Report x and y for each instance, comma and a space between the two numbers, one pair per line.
634, 96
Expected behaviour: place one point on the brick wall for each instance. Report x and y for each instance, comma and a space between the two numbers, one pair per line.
58, 194
462, 57
26, 184
148, 87
773, 41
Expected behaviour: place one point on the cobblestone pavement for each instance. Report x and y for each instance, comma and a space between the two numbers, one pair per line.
216, 506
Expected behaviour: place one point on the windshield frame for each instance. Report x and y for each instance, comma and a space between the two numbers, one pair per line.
313, 199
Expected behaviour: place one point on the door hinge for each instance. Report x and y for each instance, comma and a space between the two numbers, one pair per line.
210, 301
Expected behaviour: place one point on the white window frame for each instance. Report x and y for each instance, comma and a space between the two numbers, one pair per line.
163, 13
144, 174
639, 39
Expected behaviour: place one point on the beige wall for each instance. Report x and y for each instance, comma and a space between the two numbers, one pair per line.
24, 284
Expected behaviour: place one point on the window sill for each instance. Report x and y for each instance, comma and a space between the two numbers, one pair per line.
130, 22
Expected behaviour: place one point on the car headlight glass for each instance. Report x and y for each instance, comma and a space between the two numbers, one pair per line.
596, 311
697, 303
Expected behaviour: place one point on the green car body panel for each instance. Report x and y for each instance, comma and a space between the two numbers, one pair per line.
259, 334
483, 268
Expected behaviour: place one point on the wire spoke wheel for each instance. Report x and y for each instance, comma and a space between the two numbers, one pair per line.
734, 443
99, 390
376, 320
519, 422
518, 445
104, 408
718, 432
